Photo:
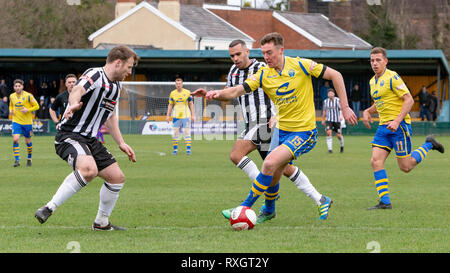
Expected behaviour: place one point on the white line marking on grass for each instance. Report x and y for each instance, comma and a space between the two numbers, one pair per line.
266, 227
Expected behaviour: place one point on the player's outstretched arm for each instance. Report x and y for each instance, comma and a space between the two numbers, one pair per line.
113, 127
199, 93
338, 83
226, 94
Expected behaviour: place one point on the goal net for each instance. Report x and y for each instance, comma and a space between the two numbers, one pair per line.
148, 102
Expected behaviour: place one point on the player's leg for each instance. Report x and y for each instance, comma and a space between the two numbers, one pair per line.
187, 135
114, 180
329, 137
277, 159
339, 135
176, 135
79, 157
28, 132
407, 160
16, 132
302, 183
379, 156
238, 156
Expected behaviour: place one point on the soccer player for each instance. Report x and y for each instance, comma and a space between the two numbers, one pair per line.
92, 103
59, 105
331, 119
287, 81
182, 104
259, 117
21, 106
392, 102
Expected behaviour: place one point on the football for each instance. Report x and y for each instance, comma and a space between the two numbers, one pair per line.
242, 218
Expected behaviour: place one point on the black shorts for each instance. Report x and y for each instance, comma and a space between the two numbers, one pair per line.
70, 145
260, 135
335, 126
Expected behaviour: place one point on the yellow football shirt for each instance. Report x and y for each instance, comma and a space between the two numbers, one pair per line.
180, 100
387, 92
24, 100
291, 91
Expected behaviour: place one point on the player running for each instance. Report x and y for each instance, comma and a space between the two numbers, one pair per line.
21, 106
92, 103
259, 115
287, 82
392, 102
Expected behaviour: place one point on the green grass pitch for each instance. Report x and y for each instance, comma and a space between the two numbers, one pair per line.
173, 203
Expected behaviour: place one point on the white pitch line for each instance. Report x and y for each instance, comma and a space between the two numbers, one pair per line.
266, 227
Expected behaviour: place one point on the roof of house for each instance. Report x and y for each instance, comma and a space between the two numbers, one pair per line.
318, 28
196, 22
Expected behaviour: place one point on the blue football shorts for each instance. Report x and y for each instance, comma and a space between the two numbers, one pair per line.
25, 130
298, 143
181, 122
399, 140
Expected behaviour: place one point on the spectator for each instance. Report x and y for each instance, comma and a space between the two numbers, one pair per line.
4, 92
356, 99
324, 91
4, 108
42, 113
32, 88
432, 107
54, 89
45, 92
423, 100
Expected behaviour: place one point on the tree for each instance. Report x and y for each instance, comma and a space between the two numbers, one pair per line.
382, 31
52, 23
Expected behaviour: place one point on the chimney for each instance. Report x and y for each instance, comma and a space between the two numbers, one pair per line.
298, 6
122, 6
341, 14
171, 8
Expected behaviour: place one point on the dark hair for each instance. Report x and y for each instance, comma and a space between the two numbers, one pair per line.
331, 90
378, 50
274, 38
69, 76
237, 42
18, 81
122, 53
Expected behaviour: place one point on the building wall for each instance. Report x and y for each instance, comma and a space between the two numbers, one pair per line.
147, 29
262, 23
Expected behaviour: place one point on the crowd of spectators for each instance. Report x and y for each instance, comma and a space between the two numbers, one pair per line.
44, 92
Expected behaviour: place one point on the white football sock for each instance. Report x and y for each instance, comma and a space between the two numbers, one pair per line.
303, 184
249, 167
330, 143
341, 141
109, 193
71, 185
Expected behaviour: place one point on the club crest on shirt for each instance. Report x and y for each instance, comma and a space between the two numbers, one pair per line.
291, 73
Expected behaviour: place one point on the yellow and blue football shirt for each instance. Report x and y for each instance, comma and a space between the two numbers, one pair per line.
291, 91
387, 92
17, 102
180, 100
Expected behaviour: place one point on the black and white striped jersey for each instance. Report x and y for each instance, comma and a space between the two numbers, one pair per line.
333, 109
256, 107
99, 102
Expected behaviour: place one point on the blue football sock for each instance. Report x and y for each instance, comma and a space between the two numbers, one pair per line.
420, 153
271, 195
381, 183
259, 186
16, 151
